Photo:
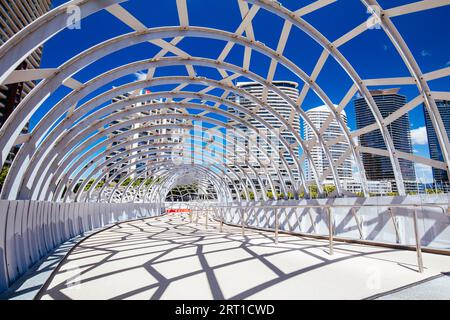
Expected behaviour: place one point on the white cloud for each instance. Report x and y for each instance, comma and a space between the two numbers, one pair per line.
425, 53
140, 76
419, 136
424, 173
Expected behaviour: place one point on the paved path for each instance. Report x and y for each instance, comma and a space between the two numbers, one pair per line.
436, 288
170, 258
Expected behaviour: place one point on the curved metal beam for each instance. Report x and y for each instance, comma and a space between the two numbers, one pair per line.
67, 149
123, 41
51, 138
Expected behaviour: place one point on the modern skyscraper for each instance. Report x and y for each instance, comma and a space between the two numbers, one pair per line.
279, 105
378, 167
176, 134
15, 15
439, 176
318, 117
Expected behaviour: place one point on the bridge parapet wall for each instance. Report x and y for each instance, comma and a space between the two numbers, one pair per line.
29, 230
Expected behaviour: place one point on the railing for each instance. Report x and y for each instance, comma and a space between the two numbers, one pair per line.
29, 230
219, 212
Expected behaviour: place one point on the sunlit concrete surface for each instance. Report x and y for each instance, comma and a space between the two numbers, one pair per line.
170, 258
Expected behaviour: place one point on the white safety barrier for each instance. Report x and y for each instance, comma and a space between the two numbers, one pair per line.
387, 220
29, 230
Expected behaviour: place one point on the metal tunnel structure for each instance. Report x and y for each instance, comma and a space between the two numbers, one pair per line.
44, 168
171, 128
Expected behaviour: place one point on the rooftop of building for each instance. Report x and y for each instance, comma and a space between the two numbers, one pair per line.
378, 92
280, 83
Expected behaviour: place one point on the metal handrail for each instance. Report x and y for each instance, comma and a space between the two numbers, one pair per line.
328, 208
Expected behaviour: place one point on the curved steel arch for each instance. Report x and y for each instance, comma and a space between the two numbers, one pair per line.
156, 164
118, 137
168, 164
205, 62
195, 169
163, 173
168, 173
214, 179
105, 111
220, 35
55, 22
101, 166
117, 166
173, 183
136, 189
113, 128
252, 185
129, 173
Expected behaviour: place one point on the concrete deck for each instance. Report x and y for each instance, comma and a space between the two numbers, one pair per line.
29, 284
169, 258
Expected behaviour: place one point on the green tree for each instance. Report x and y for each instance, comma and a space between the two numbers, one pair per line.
433, 191
392, 194
3, 175
138, 182
100, 184
329, 189
148, 182
89, 185
313, 191
126, 182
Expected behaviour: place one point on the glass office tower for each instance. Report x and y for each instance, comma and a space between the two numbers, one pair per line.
439, 176
378, 167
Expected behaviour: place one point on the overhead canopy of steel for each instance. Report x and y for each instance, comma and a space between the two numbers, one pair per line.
93, 146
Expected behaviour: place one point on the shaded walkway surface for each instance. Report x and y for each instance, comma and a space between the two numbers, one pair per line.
29, 284
170, 258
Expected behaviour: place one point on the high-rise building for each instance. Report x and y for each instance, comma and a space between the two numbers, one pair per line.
378, 167
318, 116
14, 16
279, 105
439, 176
175, 135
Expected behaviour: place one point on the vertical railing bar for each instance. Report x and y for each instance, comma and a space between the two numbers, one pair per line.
276, 225
418, 244
394, 221
330, 230
221, 219
243, 220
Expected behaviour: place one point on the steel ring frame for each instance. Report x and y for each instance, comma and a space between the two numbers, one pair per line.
148, 108
89, 8
153, 117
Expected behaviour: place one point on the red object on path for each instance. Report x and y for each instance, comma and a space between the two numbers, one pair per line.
178, 210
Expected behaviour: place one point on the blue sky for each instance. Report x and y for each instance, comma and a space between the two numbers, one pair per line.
371, 53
